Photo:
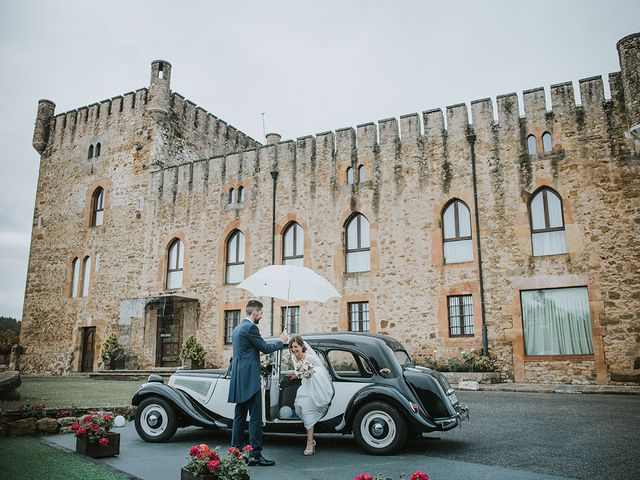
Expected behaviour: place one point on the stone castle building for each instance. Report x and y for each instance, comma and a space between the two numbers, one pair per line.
452, 231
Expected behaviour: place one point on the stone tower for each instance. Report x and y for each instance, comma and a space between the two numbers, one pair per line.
46, 110
160, 90
629, 53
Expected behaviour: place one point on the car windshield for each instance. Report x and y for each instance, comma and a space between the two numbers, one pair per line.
403, 358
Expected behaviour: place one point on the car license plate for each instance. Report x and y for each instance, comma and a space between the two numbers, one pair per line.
453, 399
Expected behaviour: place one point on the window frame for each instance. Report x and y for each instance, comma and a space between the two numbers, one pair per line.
85, 279
461, 325
350, 176
356, 217
292, 225
361, 322
455, 203
228, 329
179, 259
237, 261
75, 277
97, 207
532, 146
546, 135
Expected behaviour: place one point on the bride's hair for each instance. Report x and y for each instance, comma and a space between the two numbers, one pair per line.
297, 339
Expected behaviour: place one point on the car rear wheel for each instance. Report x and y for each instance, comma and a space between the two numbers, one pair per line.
379, 428
156, 420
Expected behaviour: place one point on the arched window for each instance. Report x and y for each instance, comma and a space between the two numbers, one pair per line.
547, 223
531, 145
349, 175
293, 245
97, 207
456, 233
361, 173
90, 155
358, 244
231, 195
546, 142
240, 194
235, 258
75, 276
98, 149
175, 264
86, 275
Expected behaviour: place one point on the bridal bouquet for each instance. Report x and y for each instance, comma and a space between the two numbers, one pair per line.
304, 369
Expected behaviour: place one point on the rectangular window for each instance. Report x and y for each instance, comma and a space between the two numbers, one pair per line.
557, 321
291, 319
460, 316
231, 320
358, 316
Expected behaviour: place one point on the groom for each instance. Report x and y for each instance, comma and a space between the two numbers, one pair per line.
244, 389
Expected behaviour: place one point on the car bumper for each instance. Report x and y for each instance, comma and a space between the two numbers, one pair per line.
452, 422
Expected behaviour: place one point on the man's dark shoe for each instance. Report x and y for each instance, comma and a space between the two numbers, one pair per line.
259, 461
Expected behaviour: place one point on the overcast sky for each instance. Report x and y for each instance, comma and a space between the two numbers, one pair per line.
311, 66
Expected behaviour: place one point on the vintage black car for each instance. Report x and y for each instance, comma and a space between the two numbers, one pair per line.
379, 395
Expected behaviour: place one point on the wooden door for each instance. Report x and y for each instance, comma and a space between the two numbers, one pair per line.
169, 338
88, 349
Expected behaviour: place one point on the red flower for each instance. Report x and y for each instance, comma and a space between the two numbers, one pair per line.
103, 442
363, 476
195, 450
232, 450
81, 432
418, 475
213, 456
43, 405
106, 418
75, 427
213, 464
248, 448
87, 418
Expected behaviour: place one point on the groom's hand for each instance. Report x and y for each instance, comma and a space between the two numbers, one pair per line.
284, 337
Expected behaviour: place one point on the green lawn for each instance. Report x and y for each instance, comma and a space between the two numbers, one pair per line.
27, 458
65, 392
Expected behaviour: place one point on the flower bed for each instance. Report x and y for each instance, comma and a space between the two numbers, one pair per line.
205, 464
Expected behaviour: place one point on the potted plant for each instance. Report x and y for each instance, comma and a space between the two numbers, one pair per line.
192, 353
94, 437
112, 352
205, 464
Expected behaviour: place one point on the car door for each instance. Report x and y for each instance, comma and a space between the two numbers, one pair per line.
351, 373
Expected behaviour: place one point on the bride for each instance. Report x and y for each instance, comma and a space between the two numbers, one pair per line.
316, 390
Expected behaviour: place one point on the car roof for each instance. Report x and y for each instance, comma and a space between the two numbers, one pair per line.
344, 339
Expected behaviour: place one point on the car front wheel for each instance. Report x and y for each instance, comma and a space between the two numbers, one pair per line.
379, 428
156, 420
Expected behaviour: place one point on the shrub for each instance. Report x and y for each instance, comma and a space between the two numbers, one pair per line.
112, 350
8, 339
192, 349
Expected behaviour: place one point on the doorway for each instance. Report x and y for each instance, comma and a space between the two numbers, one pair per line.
88, 349
170, 317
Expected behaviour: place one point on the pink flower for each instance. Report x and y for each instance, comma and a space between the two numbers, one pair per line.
87, 418
81, 432
75, 426
213, 456
195, 450
103, 442
363, 476
213, 464
248, 448
418, 475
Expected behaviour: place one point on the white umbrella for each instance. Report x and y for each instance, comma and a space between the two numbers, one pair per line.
291, 283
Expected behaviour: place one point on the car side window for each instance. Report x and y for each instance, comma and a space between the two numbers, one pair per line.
349, 365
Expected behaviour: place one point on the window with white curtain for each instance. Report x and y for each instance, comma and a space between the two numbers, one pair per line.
547, 223
456, 232
547, 145
97, 207
86, 275
557, 321
531, 145
235, 258
358, 316
175, 264
293, 245
358, 244
75, 277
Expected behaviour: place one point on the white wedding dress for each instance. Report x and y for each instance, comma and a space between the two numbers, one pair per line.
315, 393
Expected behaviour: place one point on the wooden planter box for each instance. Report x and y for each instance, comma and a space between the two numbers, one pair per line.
187, 475
190, 364
95, 450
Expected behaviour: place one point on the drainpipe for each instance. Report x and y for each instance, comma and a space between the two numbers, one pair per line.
274, 175
471, 138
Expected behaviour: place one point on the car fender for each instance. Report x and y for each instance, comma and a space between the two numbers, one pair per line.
381, 392
184, 404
